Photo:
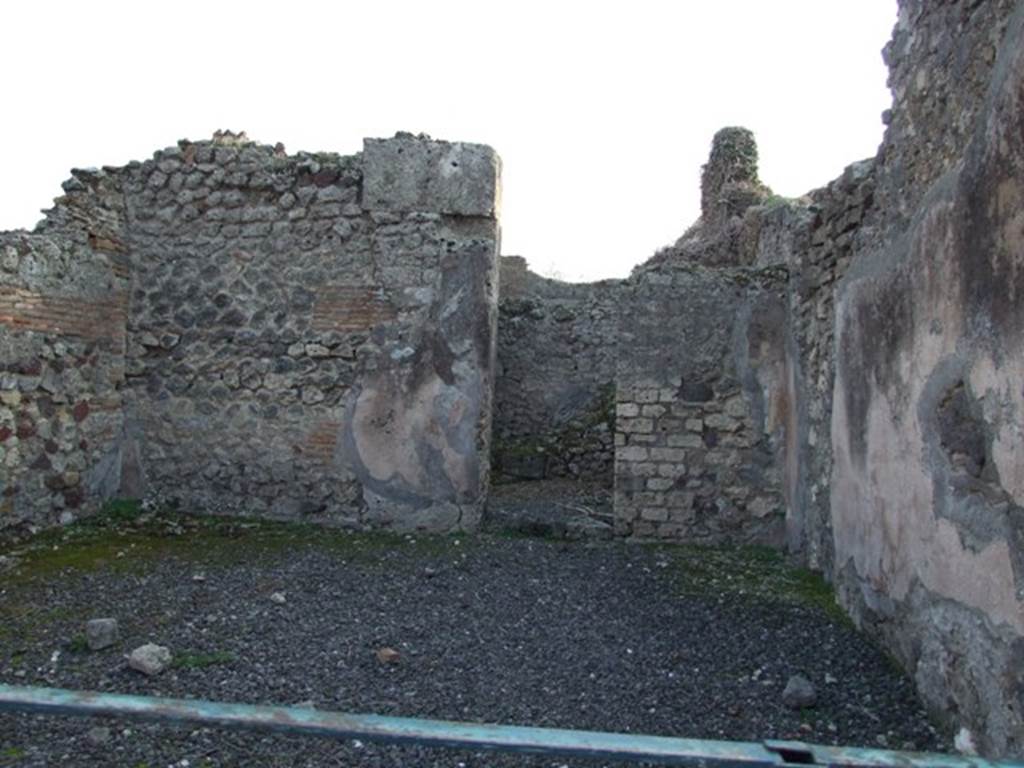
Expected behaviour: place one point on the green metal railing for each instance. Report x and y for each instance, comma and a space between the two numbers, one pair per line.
474, 736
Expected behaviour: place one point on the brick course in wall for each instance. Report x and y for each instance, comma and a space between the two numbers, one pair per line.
64, 315
63, 305
221, 327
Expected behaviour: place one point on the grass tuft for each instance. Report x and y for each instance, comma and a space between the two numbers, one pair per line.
201, 660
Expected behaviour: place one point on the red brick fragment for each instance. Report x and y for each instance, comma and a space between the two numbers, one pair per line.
80, 411
325, 177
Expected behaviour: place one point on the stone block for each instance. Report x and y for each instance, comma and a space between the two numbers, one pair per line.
101, 633
627, 410
632, 453
647, 395
644, 529
677, 455
679, 499
635, 425
667, 395
408, 173
736, 407
671, 470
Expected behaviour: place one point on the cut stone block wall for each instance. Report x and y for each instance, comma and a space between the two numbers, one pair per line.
700, 418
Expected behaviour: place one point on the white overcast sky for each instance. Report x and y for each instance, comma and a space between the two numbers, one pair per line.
603, 112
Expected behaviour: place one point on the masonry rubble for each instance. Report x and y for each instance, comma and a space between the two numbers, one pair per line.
234, 329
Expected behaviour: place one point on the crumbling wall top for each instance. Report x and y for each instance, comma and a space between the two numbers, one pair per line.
729, 182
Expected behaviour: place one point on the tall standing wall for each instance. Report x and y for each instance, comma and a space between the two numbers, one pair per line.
700, 413
304, 336
63, 307
905, 480
927, 493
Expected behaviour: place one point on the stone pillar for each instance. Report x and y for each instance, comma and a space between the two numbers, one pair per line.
416, 432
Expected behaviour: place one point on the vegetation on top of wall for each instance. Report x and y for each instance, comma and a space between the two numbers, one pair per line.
735, 149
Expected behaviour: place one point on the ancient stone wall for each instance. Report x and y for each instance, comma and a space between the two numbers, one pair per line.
63, 304
307, 335
901, 459
233, 328
700, 415
554, 395
927, 492
812, 239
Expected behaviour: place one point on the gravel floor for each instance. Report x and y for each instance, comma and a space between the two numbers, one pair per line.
604, 636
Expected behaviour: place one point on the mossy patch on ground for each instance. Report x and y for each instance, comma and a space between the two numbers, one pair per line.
122, 538
10, 755
758, 573
202, 659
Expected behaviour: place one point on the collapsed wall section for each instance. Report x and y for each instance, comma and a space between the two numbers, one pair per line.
701, 413
63, 306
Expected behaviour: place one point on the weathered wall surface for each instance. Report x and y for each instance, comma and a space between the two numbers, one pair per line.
928, 482
314, 335
813, 238
307, 335
700, 413
901, 457
63, 302
554, 397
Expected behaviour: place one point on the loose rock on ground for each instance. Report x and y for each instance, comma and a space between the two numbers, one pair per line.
101, 633
150, 659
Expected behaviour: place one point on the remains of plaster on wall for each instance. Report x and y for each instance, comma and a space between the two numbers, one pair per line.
1002, 400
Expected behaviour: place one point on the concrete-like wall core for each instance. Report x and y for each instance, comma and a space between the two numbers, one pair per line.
233, 329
